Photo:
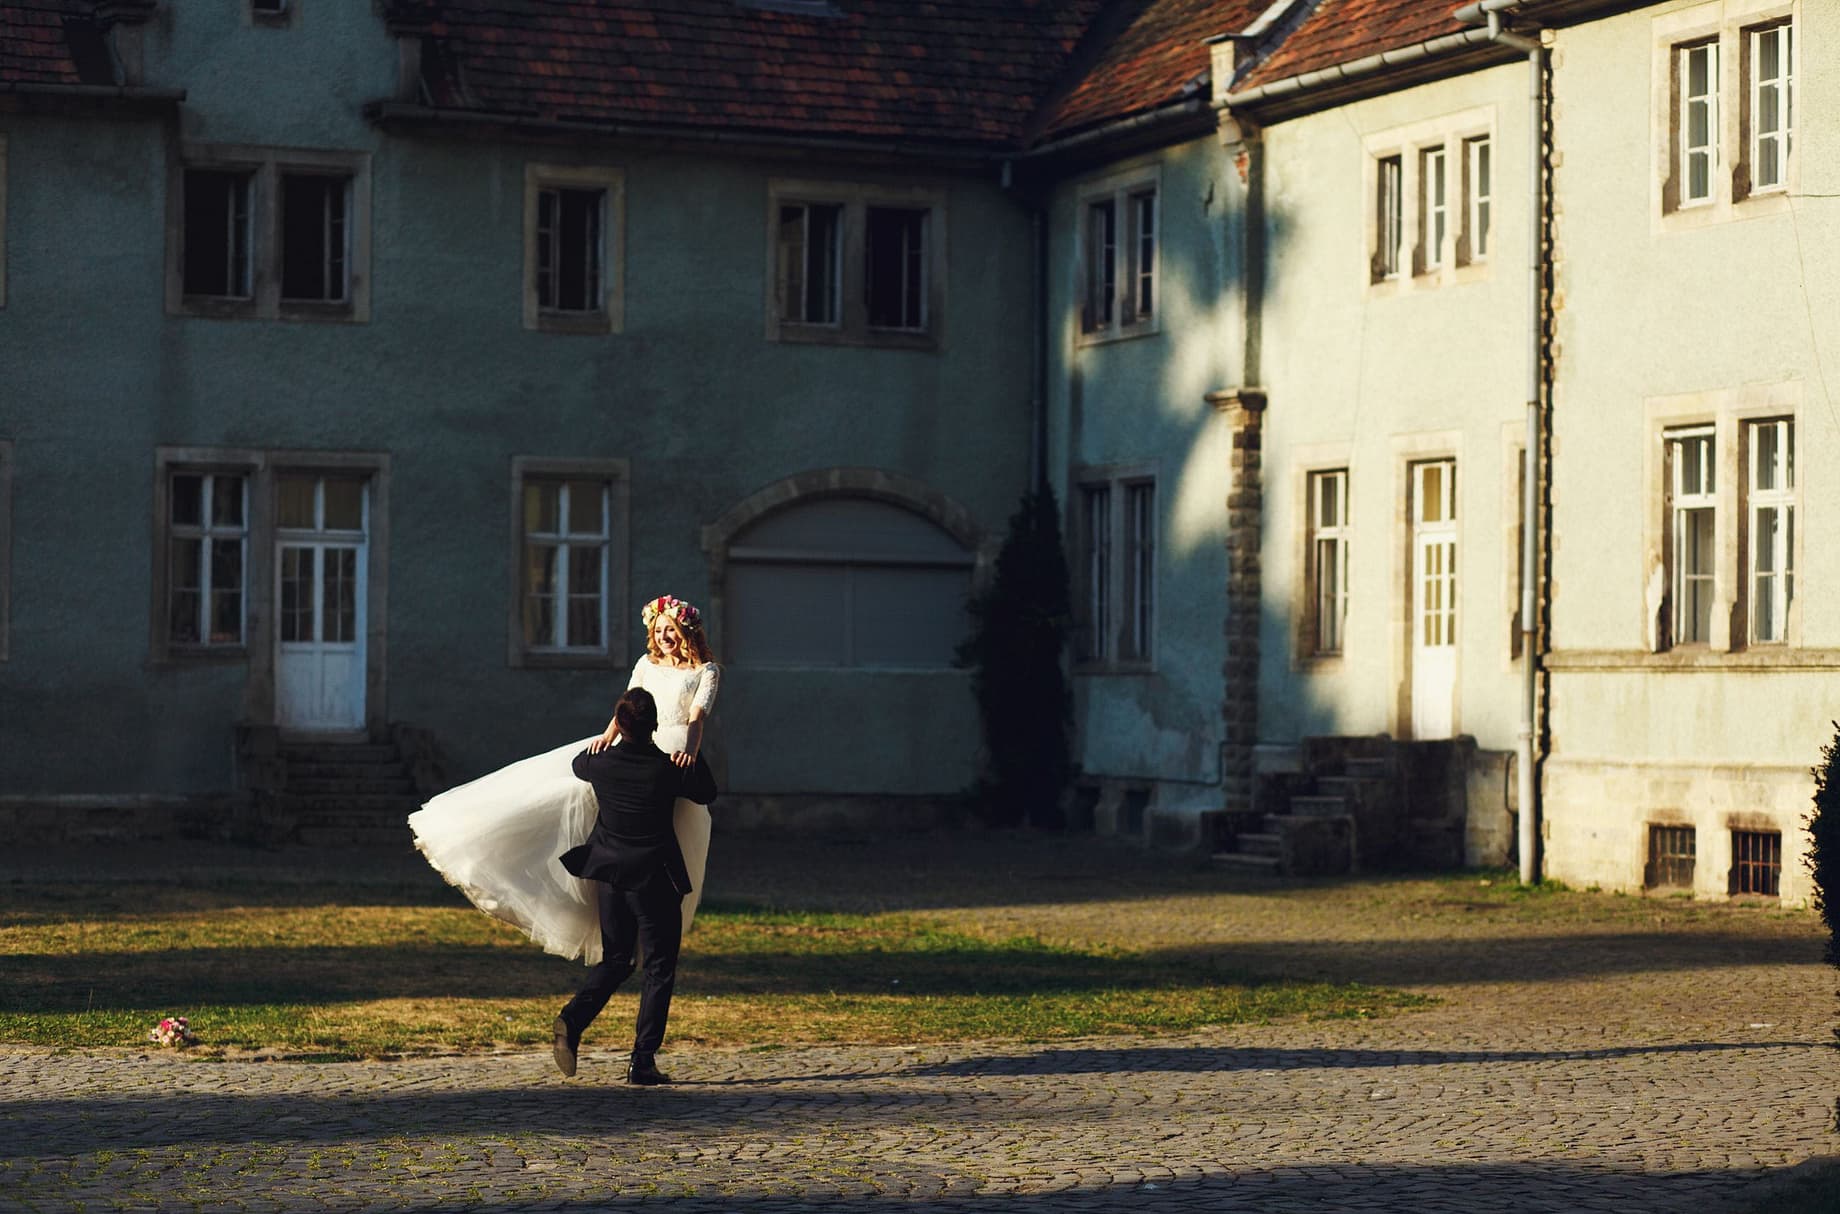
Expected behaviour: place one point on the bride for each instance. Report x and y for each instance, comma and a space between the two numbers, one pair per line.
498, 838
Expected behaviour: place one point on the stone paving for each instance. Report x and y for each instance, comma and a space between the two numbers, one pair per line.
1617, 1054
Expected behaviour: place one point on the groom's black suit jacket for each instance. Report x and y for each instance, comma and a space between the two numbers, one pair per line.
637, 786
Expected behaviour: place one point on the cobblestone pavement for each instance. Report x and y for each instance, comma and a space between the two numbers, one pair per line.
1615, 1054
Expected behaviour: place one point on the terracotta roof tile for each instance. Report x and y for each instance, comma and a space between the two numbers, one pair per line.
33, 45
1341, 31
1158, 56
941, 71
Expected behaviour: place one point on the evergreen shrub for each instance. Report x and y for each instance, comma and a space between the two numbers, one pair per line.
1824, 843
1019, 628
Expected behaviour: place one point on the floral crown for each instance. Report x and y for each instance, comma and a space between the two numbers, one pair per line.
673, 608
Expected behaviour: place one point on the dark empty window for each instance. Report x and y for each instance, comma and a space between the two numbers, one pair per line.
896, 270
1756, 862
217, 233
1670, 857
208, 532
570, 250
315, 228
810, 241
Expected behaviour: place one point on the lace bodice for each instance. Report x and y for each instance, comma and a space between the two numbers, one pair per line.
678, 690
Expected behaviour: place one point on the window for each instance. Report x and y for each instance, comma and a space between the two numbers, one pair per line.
570, 554
207, 551
315, 238
1670, 857
269, 12
1756, 862
1478, 196
1389, 217
810, 252
846, 582
1118, 256
1768, 105
1433, 208
895, 281
1328, 560
269, 233
1116, 576
1770, 535
573, 251
855, 264
1697, 91
1692, 519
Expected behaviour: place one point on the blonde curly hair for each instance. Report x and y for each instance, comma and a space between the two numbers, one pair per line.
688, 621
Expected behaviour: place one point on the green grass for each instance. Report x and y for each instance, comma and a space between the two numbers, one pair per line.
343, 972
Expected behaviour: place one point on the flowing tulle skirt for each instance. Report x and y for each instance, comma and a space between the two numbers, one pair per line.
497, 840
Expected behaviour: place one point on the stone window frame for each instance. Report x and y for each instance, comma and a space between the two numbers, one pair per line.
610, 318
1409, 144
1120, 188
266, 165
615, 653
855, 197
1513, 469
258, 567
1117, 480
1729, 413
1728, 24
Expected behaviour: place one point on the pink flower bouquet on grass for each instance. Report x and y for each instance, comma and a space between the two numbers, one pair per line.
172, 1031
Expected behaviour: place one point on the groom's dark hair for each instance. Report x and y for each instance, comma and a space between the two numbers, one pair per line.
637, 714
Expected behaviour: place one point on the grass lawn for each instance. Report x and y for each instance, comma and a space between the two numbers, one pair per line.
335, 971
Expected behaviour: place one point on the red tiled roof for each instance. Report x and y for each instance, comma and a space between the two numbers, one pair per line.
1158, 55
1341, 31
33, 46
964, 72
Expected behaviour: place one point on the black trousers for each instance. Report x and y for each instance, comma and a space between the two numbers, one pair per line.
649, 919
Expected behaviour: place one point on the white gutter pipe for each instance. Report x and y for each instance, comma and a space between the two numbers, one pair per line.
1527, 839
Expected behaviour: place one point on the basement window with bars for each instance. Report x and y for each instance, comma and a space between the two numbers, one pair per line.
1756, 862
1670, 857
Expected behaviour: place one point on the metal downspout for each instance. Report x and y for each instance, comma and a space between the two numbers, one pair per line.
1527, 835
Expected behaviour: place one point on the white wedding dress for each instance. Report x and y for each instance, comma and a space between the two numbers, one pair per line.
498, 838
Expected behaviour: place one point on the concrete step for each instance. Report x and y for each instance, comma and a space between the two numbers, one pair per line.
315, 769
339, 752
1319, 807
376, 805
1237, 861
382, 784
1367, 769
1261, 843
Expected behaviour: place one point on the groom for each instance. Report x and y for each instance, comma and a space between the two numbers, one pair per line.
641, 880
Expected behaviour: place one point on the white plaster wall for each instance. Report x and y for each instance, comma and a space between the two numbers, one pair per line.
1370, 377
1729, 312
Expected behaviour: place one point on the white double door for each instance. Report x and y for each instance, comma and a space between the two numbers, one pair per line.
1434, 598
322, 541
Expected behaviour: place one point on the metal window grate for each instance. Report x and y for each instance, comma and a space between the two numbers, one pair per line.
1756, 862
1670, 856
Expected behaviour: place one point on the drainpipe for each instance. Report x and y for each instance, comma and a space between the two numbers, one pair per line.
1489, 12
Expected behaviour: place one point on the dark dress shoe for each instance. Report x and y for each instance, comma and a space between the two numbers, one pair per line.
564, 1048
645, 1074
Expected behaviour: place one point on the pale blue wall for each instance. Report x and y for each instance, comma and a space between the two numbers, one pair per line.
1141, 401
94, 375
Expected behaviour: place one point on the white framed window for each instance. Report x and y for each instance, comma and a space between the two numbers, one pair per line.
206, 559
1478, 197
846, 582
1329, 535
270, 233
1768, 115
855, 264
1770, 527
1696, 86
1389, 216
1692, 511
570, 561
1115, 579
574, 249
1433, 207
1120, 234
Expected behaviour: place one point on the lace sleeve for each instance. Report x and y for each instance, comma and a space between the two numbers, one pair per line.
708, 681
